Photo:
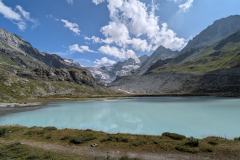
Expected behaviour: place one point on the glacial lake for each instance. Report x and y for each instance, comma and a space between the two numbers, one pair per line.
192, 116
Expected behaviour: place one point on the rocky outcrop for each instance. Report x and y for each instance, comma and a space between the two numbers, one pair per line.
27, 73
159, 55
223, 82
164, 83
106, 74
72, 75
219, 83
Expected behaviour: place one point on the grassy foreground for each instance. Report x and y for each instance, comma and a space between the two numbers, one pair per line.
18, 142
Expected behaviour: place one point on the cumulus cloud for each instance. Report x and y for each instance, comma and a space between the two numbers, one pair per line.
140, 44
104, 62
134, 27
74, 27
19, 16
80, 49
116, 33
118, 53
97, 1
93, 38
185, 6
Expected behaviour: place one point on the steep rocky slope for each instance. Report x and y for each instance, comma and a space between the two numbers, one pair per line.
209, 70
160, 54
27, 73
219, 30
129, 67
106, 74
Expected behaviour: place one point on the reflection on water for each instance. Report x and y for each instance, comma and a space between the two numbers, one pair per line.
191, 116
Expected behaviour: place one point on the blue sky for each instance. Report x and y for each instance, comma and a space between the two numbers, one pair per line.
101, 32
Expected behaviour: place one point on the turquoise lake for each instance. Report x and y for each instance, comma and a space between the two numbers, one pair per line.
192, 116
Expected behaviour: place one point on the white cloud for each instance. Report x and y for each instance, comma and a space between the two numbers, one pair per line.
104, 62
116, 32
97, 1
24, 13
93, 38
9, 13
19, 16
135, 27
118, 53
186, 6
168, 38
140, 44
70, 2
80, 49
71, 26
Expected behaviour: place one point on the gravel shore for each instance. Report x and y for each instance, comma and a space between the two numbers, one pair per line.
6, 108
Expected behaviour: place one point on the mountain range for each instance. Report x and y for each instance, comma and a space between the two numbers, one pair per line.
26, 72
106, 75
208, 65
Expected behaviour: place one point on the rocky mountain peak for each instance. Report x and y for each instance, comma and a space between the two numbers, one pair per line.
219, 30
11, 39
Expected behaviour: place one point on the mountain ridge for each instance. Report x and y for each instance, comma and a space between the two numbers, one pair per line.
208, 70
220, 29
26, 73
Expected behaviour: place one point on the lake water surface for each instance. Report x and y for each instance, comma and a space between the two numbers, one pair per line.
191, 116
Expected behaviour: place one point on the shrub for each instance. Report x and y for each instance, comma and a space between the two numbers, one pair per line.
50, 128
80, 140
237, 139
3, 132
206, 149
115, 139
121, 139
65, 138
192, 142
213, 143
138, 143
48, 137
174, 136
187, 149
34, 132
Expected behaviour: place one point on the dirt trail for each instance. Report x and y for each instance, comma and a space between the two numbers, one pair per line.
113, 154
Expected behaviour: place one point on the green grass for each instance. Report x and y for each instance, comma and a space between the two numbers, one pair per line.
205, 61
123, 142
17, 89
18, 151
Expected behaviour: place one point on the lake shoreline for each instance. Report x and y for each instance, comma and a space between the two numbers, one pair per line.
8, 108
53, 104
34, 104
